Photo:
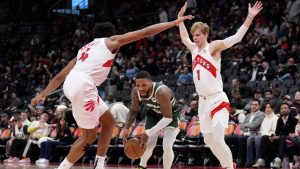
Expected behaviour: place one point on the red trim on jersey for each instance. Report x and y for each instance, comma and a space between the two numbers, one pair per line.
220, 107
109, 63
205, 64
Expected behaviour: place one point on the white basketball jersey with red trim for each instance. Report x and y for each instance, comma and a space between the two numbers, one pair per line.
95, 59
206, 72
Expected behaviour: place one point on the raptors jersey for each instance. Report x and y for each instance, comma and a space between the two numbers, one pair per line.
206, 72
95, 60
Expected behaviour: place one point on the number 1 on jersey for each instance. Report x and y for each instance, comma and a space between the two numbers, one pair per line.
198, 74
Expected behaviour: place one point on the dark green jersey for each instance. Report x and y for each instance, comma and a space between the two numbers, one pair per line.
151, 101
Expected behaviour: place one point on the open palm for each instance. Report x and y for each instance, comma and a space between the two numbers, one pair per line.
182, 10
255, 9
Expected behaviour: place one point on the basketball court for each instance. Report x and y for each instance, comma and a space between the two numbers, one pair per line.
54, 165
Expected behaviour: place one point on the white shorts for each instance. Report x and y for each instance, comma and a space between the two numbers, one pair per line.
87, 106
213, 110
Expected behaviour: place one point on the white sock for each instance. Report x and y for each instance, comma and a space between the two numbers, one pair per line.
99, 162
65, 164
168, 141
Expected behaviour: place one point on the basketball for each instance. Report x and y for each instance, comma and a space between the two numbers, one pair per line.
133, 149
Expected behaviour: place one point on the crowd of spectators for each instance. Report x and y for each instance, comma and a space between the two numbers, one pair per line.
32, 53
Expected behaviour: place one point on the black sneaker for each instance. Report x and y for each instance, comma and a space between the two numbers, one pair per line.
141, 167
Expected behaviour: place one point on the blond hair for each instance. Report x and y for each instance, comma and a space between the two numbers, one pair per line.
204, 28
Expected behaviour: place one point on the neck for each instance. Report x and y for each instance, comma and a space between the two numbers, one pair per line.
203, 45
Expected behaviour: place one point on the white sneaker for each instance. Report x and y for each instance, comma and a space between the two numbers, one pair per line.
13, 160
39, 160
45, 161
277, 163
25, 160
260, 163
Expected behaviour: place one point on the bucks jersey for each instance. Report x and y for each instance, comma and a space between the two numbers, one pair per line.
154, 114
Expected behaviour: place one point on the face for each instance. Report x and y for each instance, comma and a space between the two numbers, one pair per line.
268, 96
44, 118
144, 86
284, 110
20, 123
62, 122
254, 106
199, 37
194, 105
268, 109
23, 116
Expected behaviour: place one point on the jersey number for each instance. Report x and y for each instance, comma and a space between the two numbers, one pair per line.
84, 55
198, 74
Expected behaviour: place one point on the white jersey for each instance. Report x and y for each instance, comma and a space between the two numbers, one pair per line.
95, 60
206, 72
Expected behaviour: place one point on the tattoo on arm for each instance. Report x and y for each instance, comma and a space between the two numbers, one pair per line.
134, 108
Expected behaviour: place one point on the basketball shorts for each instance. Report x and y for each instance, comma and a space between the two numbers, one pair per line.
213, 110
87, 106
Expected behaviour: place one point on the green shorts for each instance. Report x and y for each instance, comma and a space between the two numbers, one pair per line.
152, 118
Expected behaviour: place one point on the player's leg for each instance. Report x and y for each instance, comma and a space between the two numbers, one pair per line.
77, 149
107, 125
149, 150
150, 122
215, 141
170, 134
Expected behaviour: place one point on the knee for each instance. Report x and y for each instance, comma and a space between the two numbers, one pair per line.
107, 120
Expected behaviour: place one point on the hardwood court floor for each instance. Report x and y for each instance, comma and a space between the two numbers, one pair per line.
54, 165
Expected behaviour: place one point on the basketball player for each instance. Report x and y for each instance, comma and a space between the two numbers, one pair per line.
206, 64
86, 71
163, 114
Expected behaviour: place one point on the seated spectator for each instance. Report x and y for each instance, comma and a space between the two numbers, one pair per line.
24, 117
63, 137
253, 71
267, 73
249, 127
18, 140
287, 99
285, 125
185, 78
257, 95
119, 111
192, 110
289, 70
236, 116
267, 128
37, 130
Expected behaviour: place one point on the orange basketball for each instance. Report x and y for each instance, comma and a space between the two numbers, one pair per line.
133, 149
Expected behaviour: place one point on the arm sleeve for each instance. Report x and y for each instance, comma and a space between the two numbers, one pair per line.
160, 125
238, 36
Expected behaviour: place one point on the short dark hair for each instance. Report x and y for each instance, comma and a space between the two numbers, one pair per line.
143, 75
105, 29
284, 103
256, 100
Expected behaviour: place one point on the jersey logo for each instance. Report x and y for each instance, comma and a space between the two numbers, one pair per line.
205, 64
89, 106
109, 63
84, 55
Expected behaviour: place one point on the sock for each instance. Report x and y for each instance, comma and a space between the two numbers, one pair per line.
65, 164
99, 162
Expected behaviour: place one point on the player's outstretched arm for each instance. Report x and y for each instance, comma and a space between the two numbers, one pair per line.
230, 41
184, 35
55, 82
117, 41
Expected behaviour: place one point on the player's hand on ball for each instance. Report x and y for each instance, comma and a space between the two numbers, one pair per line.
125, 135
144, 138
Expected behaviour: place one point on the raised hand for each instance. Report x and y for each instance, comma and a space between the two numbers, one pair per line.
182, 10
255, 9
